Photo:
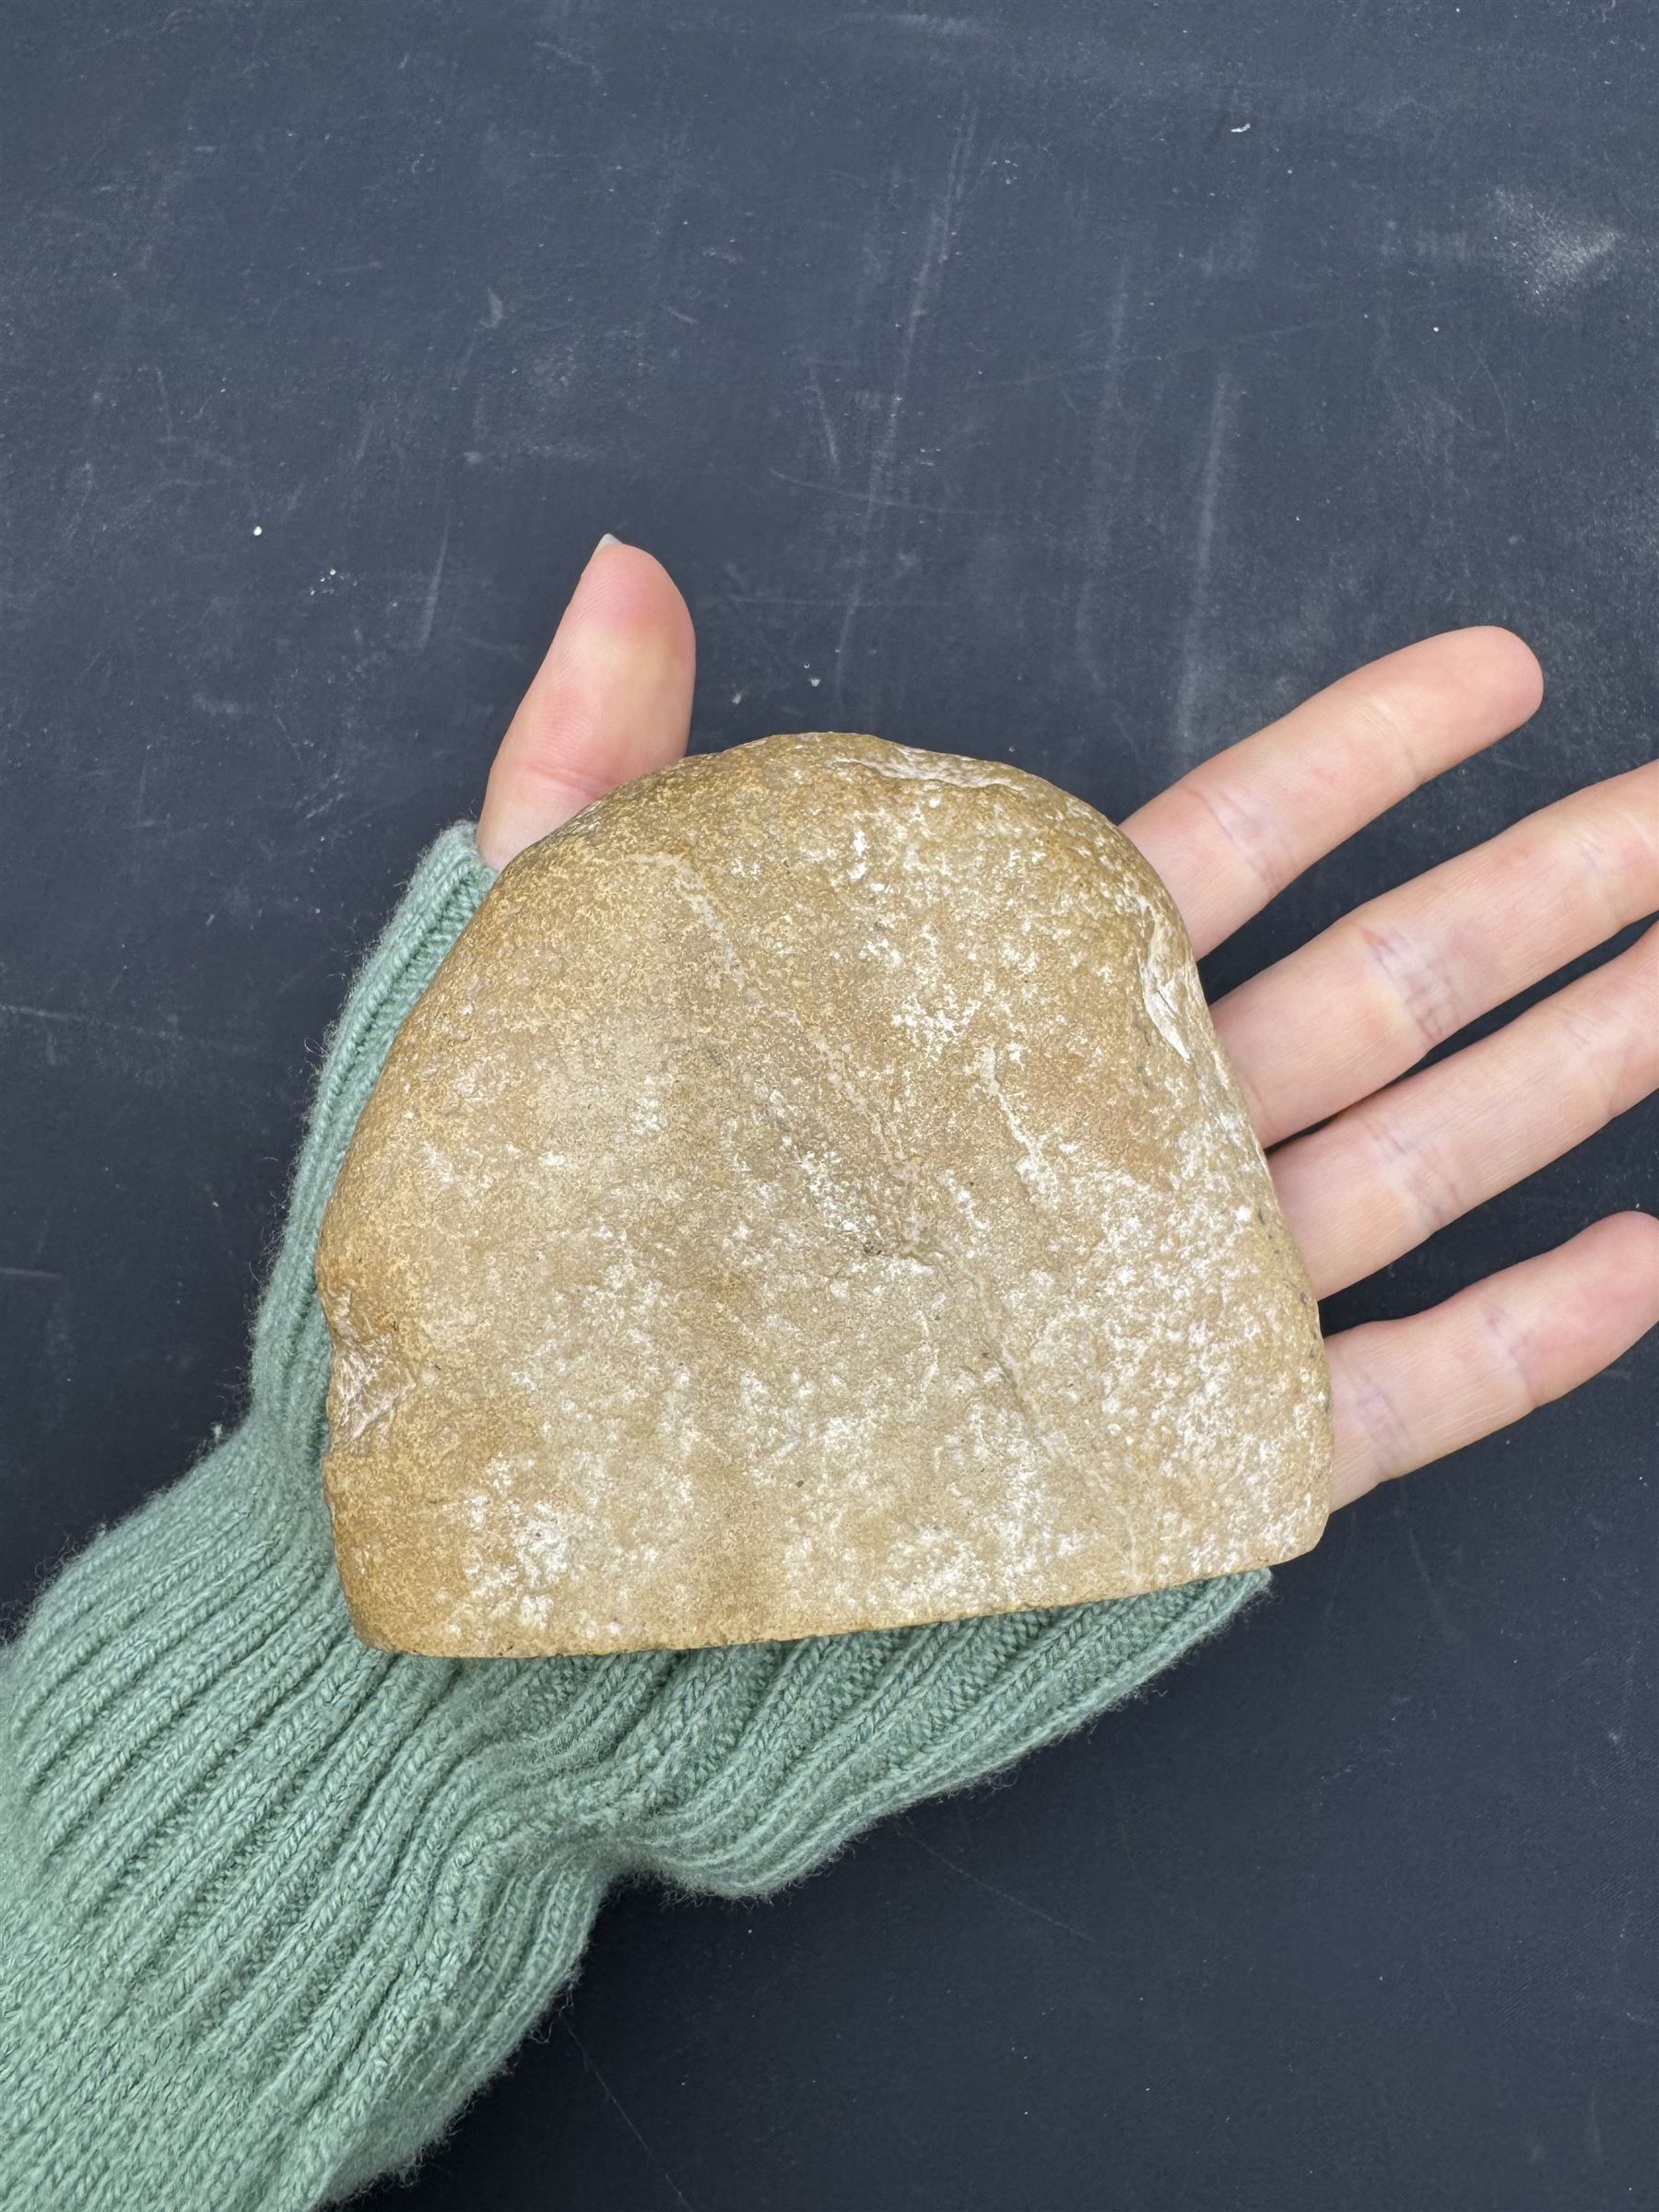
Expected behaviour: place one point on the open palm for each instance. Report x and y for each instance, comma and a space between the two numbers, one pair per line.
1367, 1165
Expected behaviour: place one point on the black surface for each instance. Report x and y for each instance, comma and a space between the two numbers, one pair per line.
988, 383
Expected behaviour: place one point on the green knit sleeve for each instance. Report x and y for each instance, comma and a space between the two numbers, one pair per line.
274, 1904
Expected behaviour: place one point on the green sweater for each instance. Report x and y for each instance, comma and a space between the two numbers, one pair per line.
272, 1904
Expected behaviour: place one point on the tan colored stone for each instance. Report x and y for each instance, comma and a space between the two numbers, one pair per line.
811, 1196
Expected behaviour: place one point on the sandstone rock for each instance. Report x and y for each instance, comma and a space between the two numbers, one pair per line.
811, 1196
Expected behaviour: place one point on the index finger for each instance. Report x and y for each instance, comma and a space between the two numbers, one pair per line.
1235, 830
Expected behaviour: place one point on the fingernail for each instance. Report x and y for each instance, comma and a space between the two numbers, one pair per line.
610, 538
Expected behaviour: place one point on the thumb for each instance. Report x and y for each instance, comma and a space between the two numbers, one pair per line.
612, 701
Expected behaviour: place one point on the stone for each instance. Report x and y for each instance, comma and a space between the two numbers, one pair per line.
811, 1196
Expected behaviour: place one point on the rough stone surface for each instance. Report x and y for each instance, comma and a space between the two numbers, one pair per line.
811, 1196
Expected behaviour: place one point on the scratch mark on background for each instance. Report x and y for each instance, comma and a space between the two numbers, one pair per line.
289, 737
1343, 1557
627, 2118
167, 423
1442, 1619
141, 820
924, 290
817, 390
869, 500
1496, 394
1064, 372
1104, 488
428, 612
1222, 401
57, 1015
71, 519
1021, 1904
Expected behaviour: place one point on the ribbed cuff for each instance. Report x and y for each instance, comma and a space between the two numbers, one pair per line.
105, 2109
760, 1764
273, 1903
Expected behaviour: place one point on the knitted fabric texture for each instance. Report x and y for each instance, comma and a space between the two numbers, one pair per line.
272, 1904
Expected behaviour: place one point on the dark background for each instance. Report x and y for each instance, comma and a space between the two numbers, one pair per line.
1079, 381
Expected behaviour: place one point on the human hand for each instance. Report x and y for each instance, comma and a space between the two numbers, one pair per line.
1366, 1165
239, 1848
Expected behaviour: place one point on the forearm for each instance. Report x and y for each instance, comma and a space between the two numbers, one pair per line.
273, 1903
